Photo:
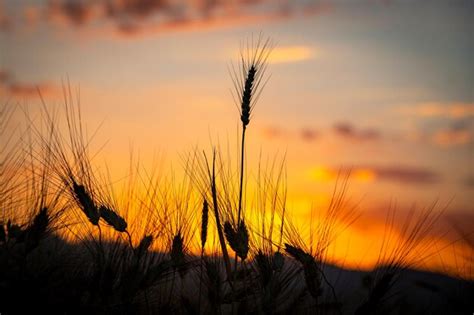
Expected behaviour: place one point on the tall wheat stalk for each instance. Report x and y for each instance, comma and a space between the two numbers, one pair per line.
248, 84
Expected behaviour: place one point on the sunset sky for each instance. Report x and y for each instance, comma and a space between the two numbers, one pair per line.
384, 88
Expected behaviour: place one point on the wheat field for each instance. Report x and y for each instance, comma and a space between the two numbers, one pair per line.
208, 239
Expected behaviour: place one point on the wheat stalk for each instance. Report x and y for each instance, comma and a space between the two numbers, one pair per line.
144, 245
86, 203
248, 84
311, 270
177, 253
204, 223
113, 219
238, 239
38, 228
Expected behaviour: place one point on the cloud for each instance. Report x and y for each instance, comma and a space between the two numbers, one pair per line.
276, 132
31, 15
443, 124
326, 174
444, 137
273, 132
143, 17
33, 90
469, 181
452, 137
5, 21
291, 54
14, 88
439, 110
350, 132
370, 173
72, 11
405, 174
4, 77
145, 8
458, 133
131, 29
343, 130
309, 134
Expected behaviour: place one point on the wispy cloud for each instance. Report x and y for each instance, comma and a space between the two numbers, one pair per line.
143, 17
441, 110
348, 131
445, 125
4, 77
72, 12
451, 137
407, 174
369, 173
276, 132
469, 181
343, 130
13, 88
309, 134
5, 21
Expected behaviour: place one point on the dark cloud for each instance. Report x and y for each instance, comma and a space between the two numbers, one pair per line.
4, 77
137, 8
14, 88
406, 174
76, 12
132, 17
469, 181
22, 89
308, 134
457, 134
5, 21
438, 110
393, 173
350, 132
273, 132
33, 89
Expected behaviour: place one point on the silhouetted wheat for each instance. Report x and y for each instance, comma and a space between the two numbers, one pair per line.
248, 84
144, 245
204, 223
72, 242
238, 239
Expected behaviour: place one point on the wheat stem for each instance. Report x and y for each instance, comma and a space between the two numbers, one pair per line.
225, 254
242, 157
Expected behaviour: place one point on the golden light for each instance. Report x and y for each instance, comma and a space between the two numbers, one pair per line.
291, 54
364, 175
322, 174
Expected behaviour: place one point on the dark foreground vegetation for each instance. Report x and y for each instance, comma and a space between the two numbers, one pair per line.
72, 242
